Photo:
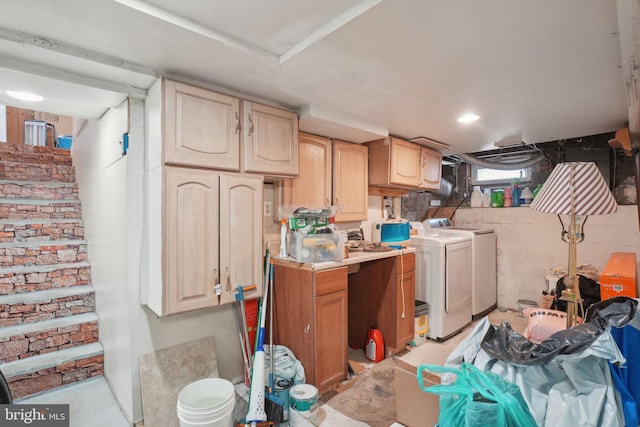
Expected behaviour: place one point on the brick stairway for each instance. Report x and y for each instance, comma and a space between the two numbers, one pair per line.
48, 324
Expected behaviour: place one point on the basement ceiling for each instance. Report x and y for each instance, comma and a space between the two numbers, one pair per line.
355, 70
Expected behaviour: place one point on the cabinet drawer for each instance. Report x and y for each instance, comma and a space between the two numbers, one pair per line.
331, 281
406, 263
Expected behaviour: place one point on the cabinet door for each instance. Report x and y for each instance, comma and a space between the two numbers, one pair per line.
350, 181
405, 163
240, 235
202, 128
312, 188
331, 327
270, 140
431, 169
191, 243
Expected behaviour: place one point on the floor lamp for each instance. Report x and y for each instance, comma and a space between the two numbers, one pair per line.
576, 189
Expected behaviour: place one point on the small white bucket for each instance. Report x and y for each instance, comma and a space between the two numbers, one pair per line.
303, 401
523, 304
207, 403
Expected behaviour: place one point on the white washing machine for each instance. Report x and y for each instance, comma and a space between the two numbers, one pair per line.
483, 259
443, 279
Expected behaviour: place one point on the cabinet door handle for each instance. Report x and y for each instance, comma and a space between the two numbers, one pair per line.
237, 123
306, 328
250, 124
228, 283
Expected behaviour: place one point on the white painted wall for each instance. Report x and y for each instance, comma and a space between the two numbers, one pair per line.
101, 174
116, 214
529, 245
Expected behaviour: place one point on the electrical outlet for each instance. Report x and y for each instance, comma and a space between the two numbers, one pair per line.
267, 209
434, 202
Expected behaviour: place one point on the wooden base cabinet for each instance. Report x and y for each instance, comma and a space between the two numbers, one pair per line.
311, 320
382, 295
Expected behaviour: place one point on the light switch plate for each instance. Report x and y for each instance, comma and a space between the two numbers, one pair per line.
267, 209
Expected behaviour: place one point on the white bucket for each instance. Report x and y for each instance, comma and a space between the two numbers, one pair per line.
303, 401
523, 304
207, 403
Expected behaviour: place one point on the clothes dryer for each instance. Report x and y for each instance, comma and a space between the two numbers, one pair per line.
483, 260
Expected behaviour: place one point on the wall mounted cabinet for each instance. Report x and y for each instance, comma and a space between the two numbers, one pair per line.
213, 236
203, 128
270, 140
431, 165
204, 223
395, 163
331, 173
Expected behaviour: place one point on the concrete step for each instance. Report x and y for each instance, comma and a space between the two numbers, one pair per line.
13, 189
30, 278
42, 253
39, 209
43, 230
38, 306
47, 158
31, 339
36, 172
50, 370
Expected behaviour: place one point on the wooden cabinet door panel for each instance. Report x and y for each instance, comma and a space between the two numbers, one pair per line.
405, 163
190, 246
431, 169
202, 128
240, 234
350, 181
405, 309
270, 140
331, 339
312, 188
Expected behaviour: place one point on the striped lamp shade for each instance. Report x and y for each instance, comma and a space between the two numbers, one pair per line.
583, 181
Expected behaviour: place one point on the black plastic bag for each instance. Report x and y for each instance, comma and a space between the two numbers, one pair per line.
503, 343
589, 291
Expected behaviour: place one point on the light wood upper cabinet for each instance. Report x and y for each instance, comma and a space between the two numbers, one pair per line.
201, 127
394, 163
431, 162
213, 235
270, 140
312, 188
350, 181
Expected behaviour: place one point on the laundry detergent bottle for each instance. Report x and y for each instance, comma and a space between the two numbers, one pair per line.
374, 347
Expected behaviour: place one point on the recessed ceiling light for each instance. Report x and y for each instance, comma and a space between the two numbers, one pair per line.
25, 96
468, 118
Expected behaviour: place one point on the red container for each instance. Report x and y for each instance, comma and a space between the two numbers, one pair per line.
374, 348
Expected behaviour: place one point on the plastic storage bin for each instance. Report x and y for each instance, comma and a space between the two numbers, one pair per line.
619, 278
316, 247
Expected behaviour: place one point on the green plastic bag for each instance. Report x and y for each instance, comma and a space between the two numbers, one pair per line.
477, 398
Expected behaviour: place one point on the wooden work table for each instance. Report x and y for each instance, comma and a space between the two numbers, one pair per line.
322, 308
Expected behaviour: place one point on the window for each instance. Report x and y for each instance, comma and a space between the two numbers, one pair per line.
483, 176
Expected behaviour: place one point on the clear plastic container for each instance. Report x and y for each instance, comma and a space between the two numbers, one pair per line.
316, 247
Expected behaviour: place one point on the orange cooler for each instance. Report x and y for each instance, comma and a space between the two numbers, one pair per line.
618, 278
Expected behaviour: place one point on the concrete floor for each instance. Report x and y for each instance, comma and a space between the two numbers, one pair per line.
92, 404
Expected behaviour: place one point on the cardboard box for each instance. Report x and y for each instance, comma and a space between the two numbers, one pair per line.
414, 407
619, 278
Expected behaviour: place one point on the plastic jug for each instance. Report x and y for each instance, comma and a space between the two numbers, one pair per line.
476, 197
497, 199
374, 348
